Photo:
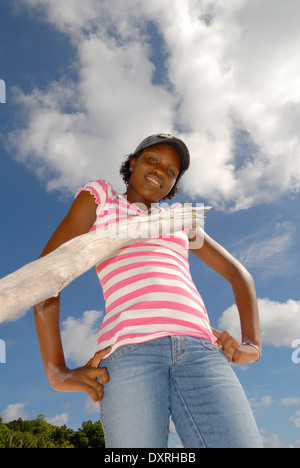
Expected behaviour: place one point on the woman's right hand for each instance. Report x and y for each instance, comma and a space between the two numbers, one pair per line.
82, 379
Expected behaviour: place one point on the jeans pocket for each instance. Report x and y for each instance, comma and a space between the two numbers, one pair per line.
207, 344
119, 352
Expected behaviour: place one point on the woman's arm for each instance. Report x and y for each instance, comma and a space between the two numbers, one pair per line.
221, 261
78, 221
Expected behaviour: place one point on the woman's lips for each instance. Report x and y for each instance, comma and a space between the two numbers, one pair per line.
153, 180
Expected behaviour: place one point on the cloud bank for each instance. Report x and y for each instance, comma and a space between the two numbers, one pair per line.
79, 336
14, 412
279, 322
222, 75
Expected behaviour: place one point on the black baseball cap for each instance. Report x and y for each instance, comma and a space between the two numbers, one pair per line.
166, 139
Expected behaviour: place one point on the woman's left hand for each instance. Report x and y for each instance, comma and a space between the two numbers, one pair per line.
233, 350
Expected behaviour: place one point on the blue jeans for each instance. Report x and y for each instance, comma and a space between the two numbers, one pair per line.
185, 377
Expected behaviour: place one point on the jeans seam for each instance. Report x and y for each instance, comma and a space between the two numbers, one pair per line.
175, 355
190, 418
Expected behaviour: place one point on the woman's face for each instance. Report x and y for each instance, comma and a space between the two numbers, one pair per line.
154, 174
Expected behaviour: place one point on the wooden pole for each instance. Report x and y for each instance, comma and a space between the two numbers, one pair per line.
46, 277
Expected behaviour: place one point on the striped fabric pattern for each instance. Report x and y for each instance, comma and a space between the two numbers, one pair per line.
148, 289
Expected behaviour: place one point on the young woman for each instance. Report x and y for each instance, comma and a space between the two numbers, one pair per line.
157, 354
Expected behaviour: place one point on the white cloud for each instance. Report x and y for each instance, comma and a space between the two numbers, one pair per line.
14, 412
296, 419
279, 321
172, 428
91, 407
290, 401
262, 403
230, 66
59, 420
268, 248
79, 336
272, 440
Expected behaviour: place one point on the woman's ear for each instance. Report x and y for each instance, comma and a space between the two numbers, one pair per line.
132, 163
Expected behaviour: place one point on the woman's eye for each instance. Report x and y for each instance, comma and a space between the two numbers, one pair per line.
152, 160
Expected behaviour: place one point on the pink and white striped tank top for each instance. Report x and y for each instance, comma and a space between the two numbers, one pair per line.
148, 289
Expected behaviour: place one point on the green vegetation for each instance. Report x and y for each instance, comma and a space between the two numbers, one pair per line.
40, 434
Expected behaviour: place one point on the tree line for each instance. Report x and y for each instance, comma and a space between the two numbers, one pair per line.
38, 433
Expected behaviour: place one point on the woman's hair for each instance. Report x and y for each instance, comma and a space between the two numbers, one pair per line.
126, 174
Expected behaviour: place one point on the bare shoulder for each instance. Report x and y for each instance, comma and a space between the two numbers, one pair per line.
83, 211
78, 221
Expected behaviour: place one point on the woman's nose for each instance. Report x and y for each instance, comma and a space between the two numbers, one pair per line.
158, 170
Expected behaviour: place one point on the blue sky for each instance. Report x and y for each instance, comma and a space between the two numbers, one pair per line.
85, 82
